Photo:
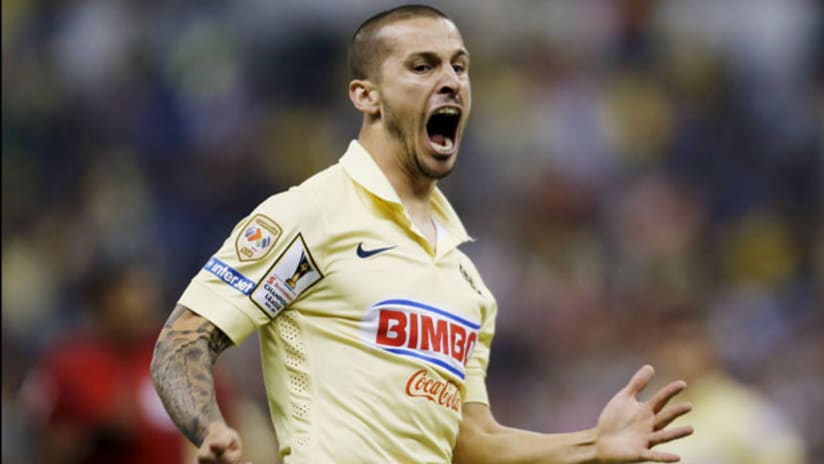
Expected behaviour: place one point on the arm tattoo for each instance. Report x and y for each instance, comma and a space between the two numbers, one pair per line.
181, 369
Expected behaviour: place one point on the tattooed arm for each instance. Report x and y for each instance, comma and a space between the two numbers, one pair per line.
186, 349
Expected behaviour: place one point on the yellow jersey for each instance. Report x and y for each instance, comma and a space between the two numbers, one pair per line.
735, 424
371, 339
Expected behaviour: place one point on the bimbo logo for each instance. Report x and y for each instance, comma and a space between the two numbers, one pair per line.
410, 328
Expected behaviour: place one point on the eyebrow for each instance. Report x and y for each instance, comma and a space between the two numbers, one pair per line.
431, 56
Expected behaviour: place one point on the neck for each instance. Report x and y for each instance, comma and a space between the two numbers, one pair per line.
413, 188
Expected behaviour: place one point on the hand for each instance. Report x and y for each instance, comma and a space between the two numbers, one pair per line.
628, 429
220, 446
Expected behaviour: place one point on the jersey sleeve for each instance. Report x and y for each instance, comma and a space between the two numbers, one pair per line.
476, 366
265, 264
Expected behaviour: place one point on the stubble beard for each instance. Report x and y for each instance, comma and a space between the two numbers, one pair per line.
397, 130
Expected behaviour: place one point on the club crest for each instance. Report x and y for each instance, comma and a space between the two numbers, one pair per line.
256, 238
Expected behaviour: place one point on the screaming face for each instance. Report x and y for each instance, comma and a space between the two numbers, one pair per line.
425, 93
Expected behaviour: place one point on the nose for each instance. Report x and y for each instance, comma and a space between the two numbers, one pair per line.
450, 82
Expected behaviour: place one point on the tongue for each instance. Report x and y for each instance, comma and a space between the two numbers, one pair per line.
438, 138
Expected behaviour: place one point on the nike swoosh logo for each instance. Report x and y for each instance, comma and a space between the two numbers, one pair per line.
367, 253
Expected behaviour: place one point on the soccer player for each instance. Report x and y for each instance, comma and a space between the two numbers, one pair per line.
375, 328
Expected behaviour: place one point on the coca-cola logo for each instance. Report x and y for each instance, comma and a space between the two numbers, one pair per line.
441, 392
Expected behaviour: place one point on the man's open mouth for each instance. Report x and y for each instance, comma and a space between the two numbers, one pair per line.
442, 129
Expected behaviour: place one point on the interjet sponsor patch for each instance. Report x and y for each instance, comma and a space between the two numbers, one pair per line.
417, 330
229, 275
291, 275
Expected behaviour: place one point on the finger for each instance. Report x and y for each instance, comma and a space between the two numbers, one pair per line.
226, 457
670, 414
207, 456
211, 451
663, 436
640, 380
231, 456
662, 396
220, 444
659, 456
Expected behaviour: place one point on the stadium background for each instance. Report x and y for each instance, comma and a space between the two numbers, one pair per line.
628, 165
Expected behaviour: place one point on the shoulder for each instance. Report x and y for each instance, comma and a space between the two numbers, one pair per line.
320, 188
469, 270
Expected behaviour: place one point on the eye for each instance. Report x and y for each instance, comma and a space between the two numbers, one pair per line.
459, 68
421, 68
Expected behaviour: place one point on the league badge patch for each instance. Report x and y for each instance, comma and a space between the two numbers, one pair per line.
292, 274
256, 238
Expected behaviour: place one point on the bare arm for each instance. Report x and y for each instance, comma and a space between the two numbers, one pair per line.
627, 431
482, 440
186, 350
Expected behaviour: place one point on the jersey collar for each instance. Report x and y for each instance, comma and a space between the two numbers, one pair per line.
362, 168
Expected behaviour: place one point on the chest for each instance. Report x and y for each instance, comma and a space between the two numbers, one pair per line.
385, 290
369, 267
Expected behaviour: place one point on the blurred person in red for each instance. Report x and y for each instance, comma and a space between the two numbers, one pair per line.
90, 396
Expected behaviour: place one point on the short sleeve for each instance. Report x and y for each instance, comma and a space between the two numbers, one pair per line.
475, 380
476, 366
267, 262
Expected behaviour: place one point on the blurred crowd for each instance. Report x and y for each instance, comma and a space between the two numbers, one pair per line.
644, 180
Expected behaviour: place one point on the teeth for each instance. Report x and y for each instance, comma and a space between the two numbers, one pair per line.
446, 147
447, 110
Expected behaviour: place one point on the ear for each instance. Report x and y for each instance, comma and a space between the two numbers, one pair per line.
365, 97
